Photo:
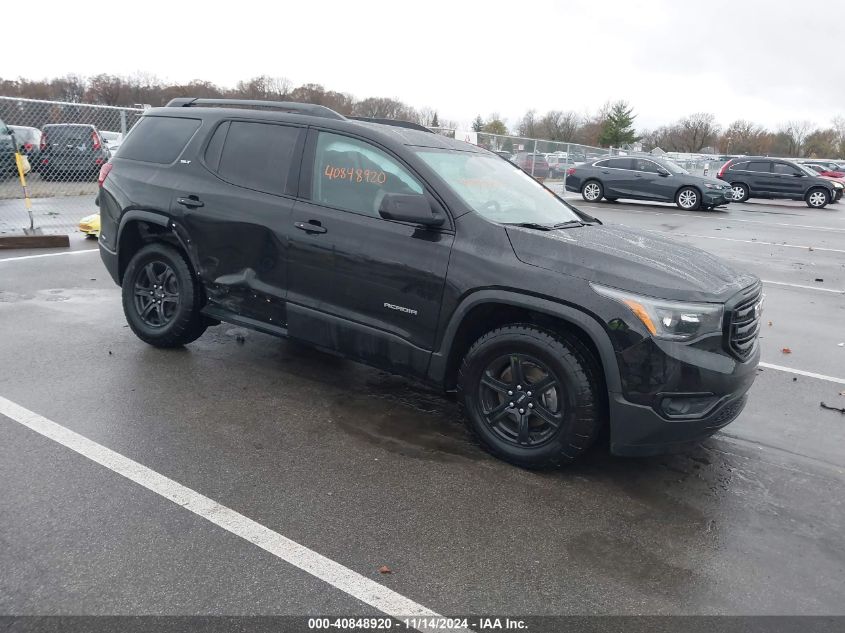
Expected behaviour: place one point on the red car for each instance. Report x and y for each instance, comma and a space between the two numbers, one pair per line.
540, 168
831, 170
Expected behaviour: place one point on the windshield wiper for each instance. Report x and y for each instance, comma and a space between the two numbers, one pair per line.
531, 225
568, 224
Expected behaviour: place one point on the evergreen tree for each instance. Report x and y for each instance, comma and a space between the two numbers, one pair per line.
478, 124
435, 122
618, 128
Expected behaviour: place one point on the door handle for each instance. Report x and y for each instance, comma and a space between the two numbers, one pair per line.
604, 171
191, 202
312, 226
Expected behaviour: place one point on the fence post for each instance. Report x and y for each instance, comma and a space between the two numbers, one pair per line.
123, 123
533, 157
565, 171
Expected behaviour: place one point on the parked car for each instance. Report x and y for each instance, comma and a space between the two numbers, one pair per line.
112, 139
426, 256
645, 179
28, 140
532, 164
826, 169
8, 168
72, 151
558, 164
90, 225
839, 182
762, 177
832, 168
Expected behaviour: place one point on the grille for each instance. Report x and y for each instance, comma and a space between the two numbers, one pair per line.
744, 325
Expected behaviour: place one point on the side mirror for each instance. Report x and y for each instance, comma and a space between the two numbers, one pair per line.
414, 208
662, 172
799, 175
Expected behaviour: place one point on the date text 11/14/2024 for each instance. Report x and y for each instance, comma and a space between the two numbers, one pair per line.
419, 624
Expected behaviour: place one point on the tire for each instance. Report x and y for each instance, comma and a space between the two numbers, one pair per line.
592, 191
739, 192
817, 198
688, 199
522, 435
172, 310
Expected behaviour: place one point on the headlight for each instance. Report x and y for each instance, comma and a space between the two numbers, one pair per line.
838, 185
672, 320
714, 186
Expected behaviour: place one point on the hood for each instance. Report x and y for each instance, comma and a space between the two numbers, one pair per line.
631, 260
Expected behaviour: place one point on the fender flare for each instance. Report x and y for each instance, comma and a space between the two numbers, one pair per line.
160, 219
439, 359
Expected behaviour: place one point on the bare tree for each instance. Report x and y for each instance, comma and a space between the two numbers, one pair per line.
697, 131
839, 126
557, 125
529, 125
795, 133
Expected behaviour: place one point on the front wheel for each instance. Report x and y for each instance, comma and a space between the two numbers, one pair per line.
531, 396
592, 191
161, 297
818, 199
688, 199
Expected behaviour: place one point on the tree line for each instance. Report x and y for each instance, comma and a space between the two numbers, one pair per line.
613, 124
142, 88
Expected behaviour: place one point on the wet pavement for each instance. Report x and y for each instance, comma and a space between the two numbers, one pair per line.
370, 469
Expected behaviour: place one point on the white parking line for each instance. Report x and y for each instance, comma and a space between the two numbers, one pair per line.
783, 283
801, 372
367, 591
79, 252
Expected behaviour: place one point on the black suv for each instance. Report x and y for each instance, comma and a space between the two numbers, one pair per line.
757, 177
71, 151
429, 257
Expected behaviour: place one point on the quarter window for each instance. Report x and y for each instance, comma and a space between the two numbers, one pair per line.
155, 139
353, 175
255, 155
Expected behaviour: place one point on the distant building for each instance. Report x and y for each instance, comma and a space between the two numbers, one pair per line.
658, 152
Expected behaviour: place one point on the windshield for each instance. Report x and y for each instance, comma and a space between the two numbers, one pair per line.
497, 190
673, 168
807, 170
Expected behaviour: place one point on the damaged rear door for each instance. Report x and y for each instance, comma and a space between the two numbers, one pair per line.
237, 213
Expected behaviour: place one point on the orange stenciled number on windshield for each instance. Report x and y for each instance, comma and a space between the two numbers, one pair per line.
350, 174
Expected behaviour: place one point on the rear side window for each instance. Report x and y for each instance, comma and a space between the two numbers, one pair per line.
254, 155
158, 139
762, 166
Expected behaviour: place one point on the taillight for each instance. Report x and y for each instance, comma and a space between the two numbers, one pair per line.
104, 172
43, 144
95, 139
27, 147
570, 171
723, 169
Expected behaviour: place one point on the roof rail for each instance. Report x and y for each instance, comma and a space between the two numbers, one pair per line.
287, 106
394, 122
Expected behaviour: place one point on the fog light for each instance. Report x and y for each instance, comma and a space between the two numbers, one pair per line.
691, 405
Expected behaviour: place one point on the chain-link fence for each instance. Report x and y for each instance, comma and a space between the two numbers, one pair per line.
65, 144
549, 160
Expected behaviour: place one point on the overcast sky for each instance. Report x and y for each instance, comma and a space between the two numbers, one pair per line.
743, 59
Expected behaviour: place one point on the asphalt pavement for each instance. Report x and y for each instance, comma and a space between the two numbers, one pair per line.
372, 470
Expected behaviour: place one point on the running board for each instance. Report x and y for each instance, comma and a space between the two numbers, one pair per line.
214, 312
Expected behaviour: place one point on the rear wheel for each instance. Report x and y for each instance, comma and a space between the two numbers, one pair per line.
739, 192
592, 191
532, 397
817, 198
688, 199
161, 297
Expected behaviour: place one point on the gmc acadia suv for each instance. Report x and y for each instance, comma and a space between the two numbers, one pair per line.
421, 255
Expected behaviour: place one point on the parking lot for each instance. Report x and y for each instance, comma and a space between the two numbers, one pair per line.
370, 470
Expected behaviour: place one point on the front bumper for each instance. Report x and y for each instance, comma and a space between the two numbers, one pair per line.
717, 197
641, 429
